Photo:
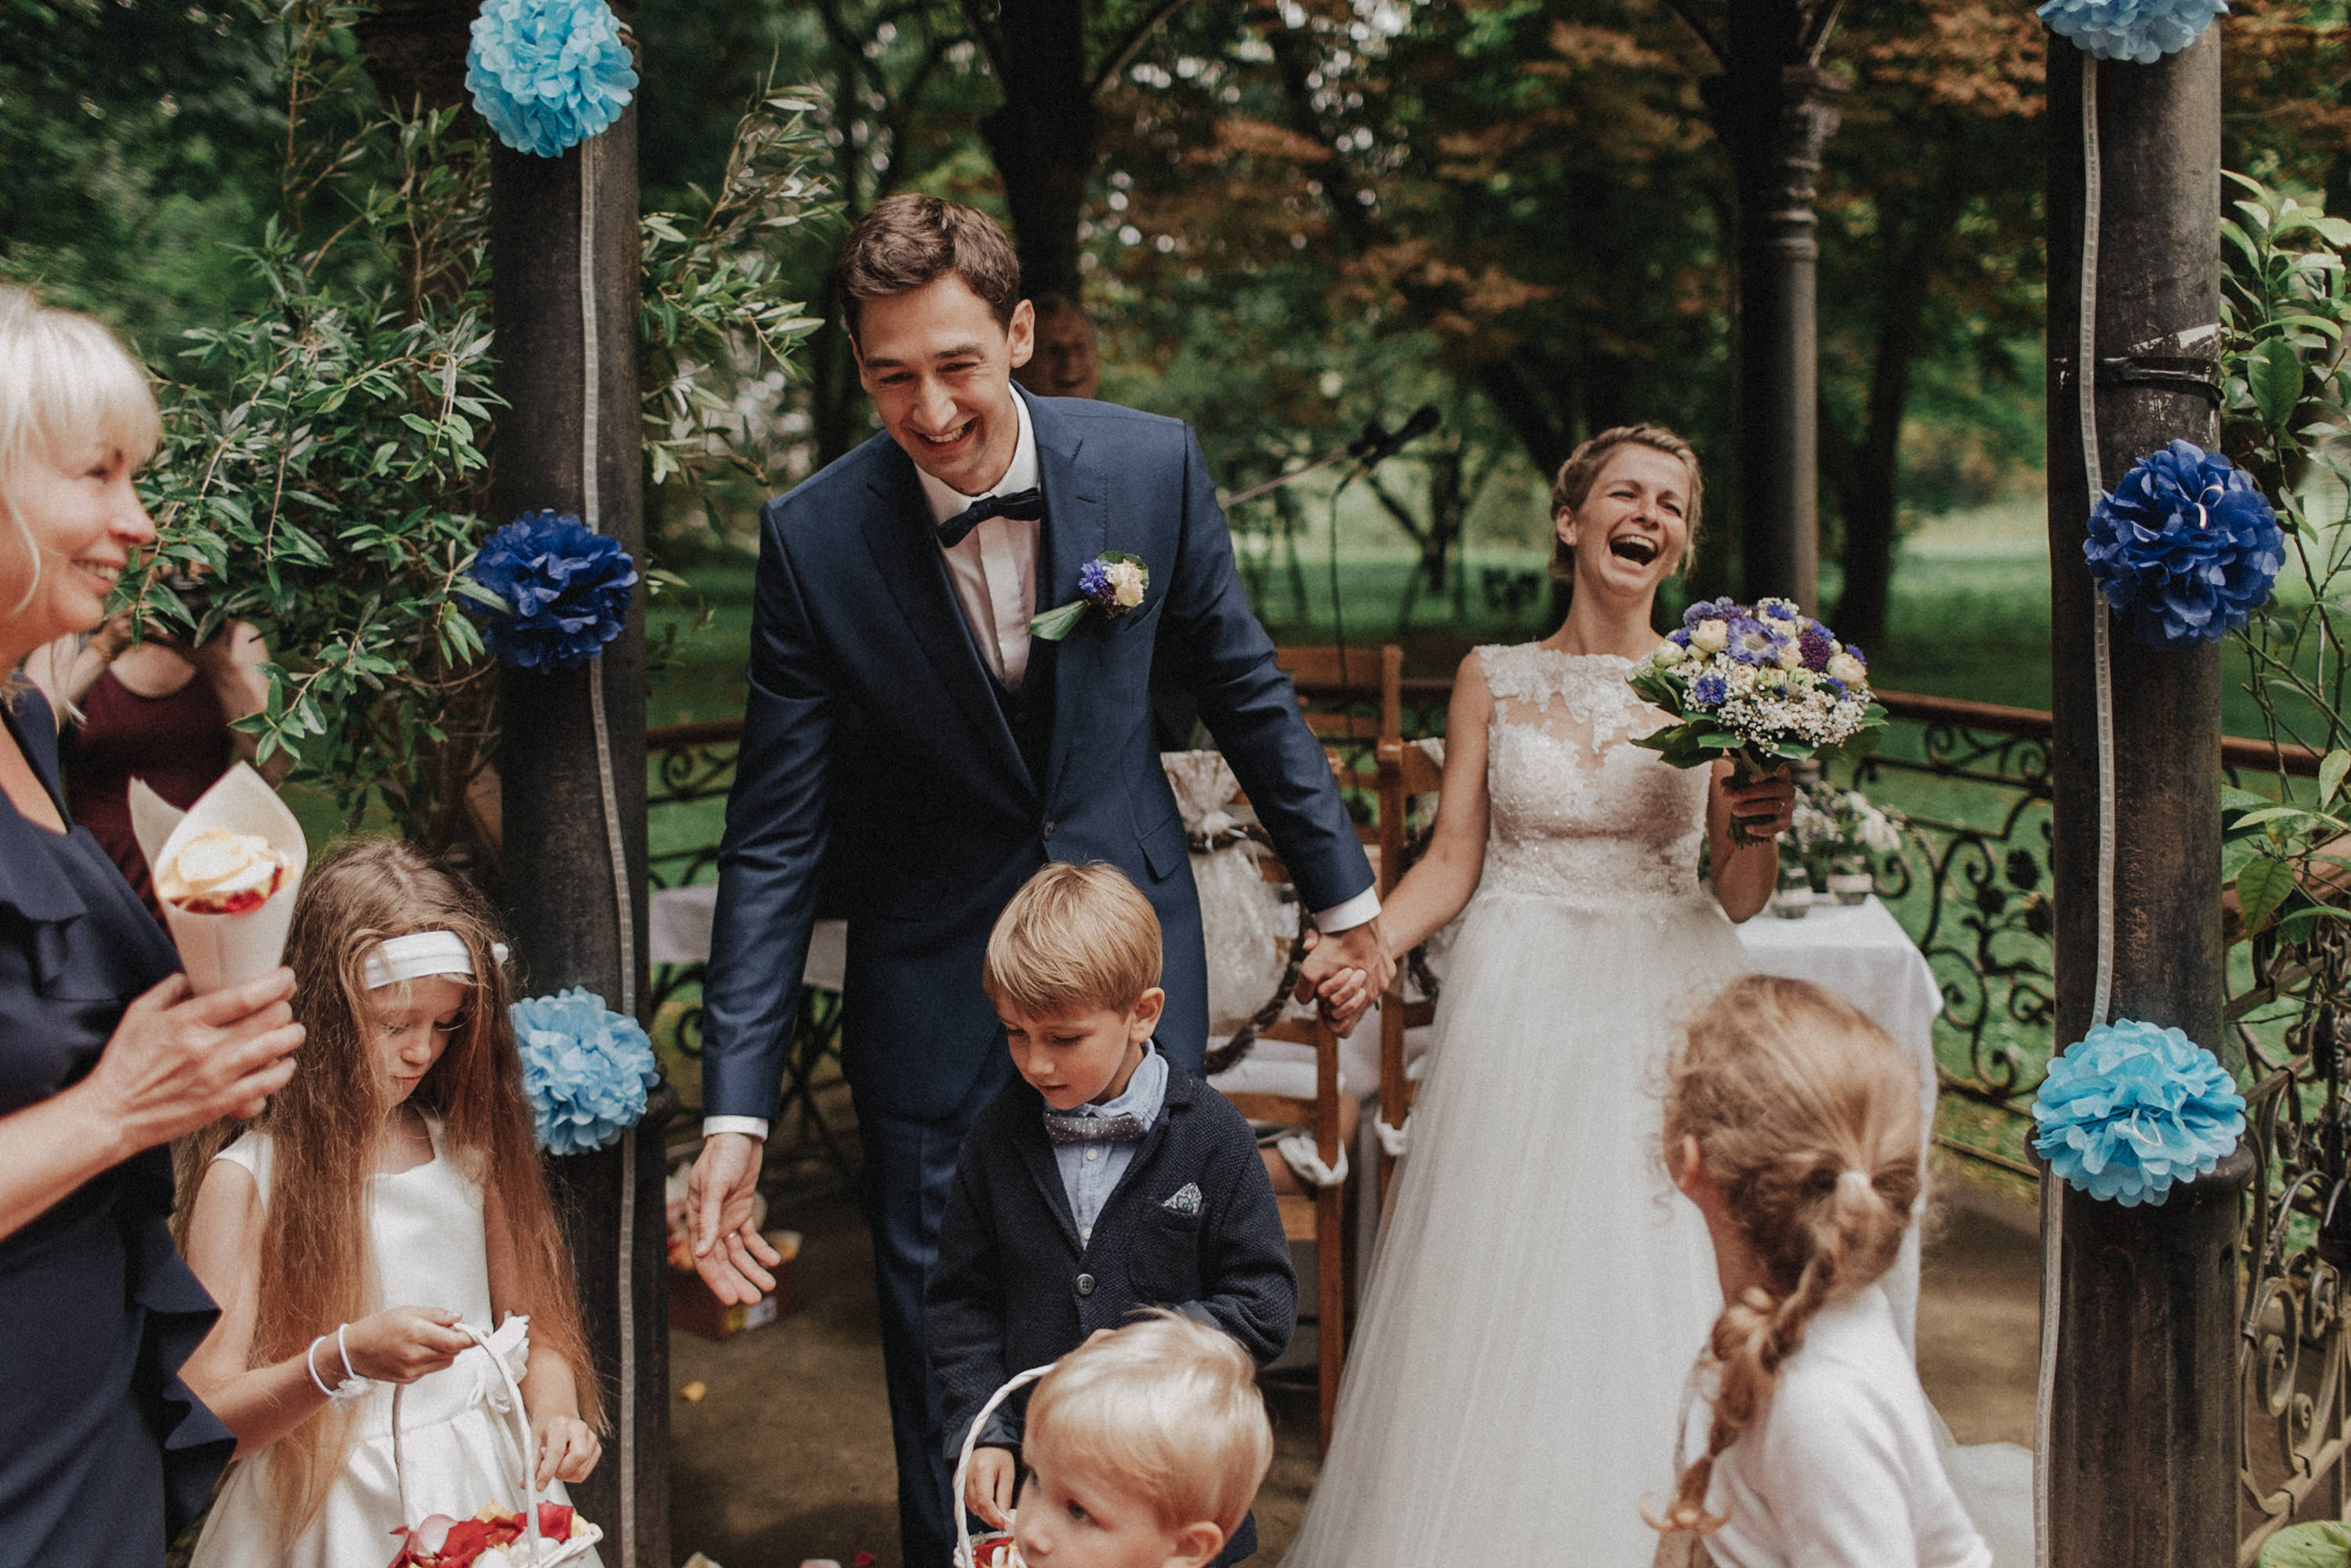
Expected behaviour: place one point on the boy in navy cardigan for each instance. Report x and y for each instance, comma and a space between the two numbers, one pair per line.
1106, 1181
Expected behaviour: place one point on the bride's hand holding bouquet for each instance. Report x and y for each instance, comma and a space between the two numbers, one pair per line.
1759, 688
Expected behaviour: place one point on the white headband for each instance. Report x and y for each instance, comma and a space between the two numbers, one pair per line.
423, 953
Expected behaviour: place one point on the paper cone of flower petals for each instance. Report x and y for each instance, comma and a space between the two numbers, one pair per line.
223, 950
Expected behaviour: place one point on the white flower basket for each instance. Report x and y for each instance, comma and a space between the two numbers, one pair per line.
542, 1553
964, 1555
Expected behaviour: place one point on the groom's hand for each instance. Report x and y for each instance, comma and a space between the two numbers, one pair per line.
1344, 973
729, 1253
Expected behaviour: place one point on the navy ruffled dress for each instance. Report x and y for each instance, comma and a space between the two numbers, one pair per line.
103, 1452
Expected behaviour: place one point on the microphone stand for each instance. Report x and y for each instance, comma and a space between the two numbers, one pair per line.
1372, 447
1375, 446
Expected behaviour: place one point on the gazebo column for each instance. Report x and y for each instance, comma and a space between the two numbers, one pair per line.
1774, 108
574, 860
2143, 1431
573, 445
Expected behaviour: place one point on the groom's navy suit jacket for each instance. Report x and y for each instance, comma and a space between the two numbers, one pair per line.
876, 742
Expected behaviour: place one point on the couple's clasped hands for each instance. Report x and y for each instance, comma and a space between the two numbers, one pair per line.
1345, 974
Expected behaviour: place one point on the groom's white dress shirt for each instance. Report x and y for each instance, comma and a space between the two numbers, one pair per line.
994, 574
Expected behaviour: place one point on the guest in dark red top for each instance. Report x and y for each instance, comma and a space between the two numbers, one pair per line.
154, 709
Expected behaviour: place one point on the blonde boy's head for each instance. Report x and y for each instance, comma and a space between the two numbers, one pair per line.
1075, 937
1167, 1412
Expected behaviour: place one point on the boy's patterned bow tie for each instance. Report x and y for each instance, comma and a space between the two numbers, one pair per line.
1027, 506
1065, 1128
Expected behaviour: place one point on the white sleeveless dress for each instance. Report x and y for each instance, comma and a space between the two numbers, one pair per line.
1539, 1291
457, 1441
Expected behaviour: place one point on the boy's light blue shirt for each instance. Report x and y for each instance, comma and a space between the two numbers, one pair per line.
1089, 1171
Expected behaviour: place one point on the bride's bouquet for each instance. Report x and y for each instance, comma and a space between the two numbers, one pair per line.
1762, 686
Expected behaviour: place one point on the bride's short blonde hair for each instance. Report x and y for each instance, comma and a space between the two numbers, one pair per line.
1166, 1411
65, 380
1074, 937
1582, 471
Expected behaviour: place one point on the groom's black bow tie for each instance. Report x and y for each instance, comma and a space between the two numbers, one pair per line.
1027, 506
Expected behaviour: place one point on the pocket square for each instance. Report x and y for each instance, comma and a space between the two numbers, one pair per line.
1184, 1200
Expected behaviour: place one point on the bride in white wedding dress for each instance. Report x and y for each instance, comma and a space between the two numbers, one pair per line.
1538, 1292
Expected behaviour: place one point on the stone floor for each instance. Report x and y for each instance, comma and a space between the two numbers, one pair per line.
786, 1454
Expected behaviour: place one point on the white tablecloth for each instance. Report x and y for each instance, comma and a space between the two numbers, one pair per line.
678, 925
1862, 953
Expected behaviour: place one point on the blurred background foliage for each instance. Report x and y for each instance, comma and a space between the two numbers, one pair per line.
1289, 217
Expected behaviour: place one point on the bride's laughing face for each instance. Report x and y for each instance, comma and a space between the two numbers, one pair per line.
1632, 528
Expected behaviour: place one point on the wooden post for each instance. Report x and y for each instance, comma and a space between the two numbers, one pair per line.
2144, 1430
564, 903
1774, 108
568, 443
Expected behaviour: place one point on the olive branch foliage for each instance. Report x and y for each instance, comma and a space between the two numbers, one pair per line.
325, 461
2285, 417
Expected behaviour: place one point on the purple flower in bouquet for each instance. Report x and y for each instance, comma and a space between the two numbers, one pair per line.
1778, 609
1711, 610
1817, 647
1709, 690
1754, 642
561, 591
2186, 549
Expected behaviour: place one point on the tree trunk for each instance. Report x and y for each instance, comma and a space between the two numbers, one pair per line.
1043, 137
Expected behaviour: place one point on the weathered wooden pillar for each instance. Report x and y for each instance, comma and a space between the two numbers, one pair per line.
573, 445
1774, 108
2143, 1433
565, 300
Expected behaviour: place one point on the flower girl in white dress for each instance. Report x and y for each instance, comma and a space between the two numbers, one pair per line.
391, 1191
1537, 1292
1793, 1125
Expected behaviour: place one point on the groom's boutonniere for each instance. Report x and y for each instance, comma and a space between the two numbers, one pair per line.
1113, 582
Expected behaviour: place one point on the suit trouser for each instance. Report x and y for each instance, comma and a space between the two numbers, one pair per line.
909, 1170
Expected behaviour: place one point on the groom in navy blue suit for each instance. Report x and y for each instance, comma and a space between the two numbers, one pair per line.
905, 728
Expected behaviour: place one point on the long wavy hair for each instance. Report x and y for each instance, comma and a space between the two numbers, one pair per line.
1807, 1117
327, 1124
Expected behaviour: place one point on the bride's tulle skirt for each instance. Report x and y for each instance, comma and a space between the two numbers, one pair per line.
1538, 1292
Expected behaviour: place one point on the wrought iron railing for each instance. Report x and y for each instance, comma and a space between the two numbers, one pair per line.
1973, 890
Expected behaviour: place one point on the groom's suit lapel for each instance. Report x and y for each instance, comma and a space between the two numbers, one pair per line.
911, 565
1077, 529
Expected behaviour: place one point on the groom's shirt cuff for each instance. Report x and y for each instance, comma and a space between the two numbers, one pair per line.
1364, 906
757, 1126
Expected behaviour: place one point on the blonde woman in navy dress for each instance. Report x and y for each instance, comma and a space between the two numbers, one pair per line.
104, 1058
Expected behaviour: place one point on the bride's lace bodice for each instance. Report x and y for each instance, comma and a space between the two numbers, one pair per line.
1577, 813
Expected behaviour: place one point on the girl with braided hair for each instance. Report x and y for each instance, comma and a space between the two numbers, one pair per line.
1793, 1123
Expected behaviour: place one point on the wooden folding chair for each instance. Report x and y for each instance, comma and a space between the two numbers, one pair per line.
1404, 770
1320, 1218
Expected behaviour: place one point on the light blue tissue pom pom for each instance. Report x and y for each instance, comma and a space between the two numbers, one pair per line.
2139, 31
586, 1069
2132, 1108
548, 74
